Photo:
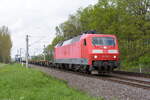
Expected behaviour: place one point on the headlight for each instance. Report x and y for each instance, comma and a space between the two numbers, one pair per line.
95, 56
97, 51
115, 57
112, 51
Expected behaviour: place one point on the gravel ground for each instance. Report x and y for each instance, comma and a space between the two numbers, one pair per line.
96, 87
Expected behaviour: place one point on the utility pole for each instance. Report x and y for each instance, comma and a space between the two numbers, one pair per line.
17, 56
27, 50
20, 54
44, 53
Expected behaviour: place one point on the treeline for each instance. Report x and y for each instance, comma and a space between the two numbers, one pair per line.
5, 45
129, 20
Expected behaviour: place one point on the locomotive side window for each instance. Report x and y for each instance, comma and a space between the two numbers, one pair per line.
109, 41
84, 43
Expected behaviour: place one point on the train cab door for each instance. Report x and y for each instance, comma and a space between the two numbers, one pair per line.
84, 49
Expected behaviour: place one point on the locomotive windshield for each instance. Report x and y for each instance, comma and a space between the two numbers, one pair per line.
109, 41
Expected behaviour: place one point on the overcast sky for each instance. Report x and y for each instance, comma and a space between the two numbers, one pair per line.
37, 18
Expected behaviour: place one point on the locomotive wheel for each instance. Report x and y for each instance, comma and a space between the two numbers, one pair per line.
88, 72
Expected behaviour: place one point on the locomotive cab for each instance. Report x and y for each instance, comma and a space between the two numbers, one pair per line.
102, 52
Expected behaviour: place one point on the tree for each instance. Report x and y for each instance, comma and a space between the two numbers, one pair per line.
5, 45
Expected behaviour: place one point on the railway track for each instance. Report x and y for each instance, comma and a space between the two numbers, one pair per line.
135, 74
145, 84
117, 78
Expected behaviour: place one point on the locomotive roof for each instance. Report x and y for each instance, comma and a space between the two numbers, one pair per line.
79, 37
98, 34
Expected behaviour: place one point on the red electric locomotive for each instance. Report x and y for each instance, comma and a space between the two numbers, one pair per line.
88, 52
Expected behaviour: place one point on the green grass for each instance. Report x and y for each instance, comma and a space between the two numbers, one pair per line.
1, 64
20, 83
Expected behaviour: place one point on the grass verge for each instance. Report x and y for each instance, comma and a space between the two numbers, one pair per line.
20, 83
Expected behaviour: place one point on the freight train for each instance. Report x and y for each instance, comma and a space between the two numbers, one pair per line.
88, 52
